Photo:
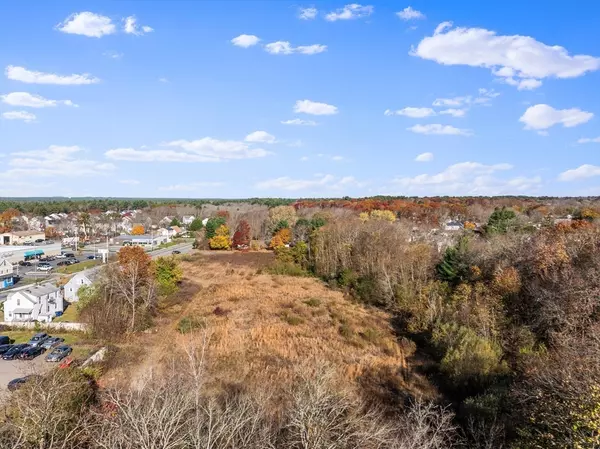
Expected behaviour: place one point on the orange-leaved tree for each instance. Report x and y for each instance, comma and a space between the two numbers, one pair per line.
281, 238
221, 239
135, 259
138, 230
241, 237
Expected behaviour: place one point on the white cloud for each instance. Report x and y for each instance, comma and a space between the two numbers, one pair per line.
351, 11
304, 158
285, 48
131, 182
314, 108
454, 112
56, 160
299, 122
410, 14
113, 54
194, 186
518, 60
163, 80
320, 182
338, 158
424, 157
27, 76
589, 140
206, 149
28, 100
542, 116
308, 13
27, 117
582, 172
260, 137
484, 96
436, 128
468, 178
412, 112
130, 26
87, 24
245, 40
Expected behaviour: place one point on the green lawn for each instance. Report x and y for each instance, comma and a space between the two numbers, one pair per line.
23, 336
70, 269
69, 315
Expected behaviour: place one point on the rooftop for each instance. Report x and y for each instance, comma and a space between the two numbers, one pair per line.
40, 290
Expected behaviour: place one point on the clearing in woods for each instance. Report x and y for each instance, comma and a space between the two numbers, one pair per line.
263, 330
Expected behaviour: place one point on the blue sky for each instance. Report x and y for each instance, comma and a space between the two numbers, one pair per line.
188, 99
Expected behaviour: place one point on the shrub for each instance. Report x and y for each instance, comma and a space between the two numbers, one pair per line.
291, 319
221, 239
189, 324
313, 302
287, 269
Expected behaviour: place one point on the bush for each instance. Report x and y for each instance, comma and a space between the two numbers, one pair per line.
313, 302
287, 269
291, 319
189, 324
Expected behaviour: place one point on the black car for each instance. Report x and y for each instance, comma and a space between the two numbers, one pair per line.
15, 384
4, 340
91, 257
14, 352
175, 251
31, 353
62, 262
25, 263
5, 348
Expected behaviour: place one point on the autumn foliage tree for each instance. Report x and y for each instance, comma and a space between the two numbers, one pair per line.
138, 230
281, 238
241, 237
6, 219
221, 239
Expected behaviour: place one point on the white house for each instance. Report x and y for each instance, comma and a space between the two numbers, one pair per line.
76, 282
187, 219
35, 303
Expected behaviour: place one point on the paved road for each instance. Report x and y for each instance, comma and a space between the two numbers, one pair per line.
11, 369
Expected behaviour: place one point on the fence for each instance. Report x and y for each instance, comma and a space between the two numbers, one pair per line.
79, 327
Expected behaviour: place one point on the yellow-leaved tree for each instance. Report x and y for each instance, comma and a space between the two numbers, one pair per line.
221, 238
137, 230
281, 238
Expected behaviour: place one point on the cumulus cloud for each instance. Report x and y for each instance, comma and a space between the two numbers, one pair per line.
28, 100
245, 40
424, 157
454, 112
319, 183
307, 13
589, 140
285, 48
31, 77
436, 128
542, 117
469, 178
87, 24
130, 26
412, 112
314, 108
25, 116
351, 11
582, 172
56, 160
299, 122
206, 149
518, 60
409, 13
260, 137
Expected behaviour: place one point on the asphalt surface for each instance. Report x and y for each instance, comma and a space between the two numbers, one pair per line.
11, 369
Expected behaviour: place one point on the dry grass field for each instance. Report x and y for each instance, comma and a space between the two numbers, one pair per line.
259, 330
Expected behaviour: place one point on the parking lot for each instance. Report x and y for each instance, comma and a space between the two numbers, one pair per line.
30, 271
11, 369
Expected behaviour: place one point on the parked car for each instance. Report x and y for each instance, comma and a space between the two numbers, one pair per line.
176, 251
60, 256
52, 341
31, 352
25, 263
17, 383
91, 257
14, 352
72, 261
69, 255
38, 339
62, 263
59, 353
44, 268
5, 348
4, 340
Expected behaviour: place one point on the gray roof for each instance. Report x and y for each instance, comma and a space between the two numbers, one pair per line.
41, 290
21, 310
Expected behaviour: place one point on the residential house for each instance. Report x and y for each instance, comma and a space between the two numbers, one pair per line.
166, 221
453, 225
187, 219
34, 303
6, 274
80, 279
175, 230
